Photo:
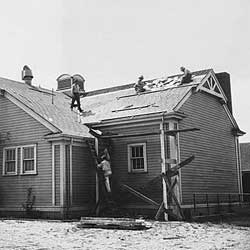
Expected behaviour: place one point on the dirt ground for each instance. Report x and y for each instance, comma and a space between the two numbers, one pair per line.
41, 235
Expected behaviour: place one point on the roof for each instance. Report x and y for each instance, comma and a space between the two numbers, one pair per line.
39, 100
245, 156
162, 95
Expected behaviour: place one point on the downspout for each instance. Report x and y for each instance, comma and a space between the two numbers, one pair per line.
163, 166
96, 177
71, 171
63, 179
238, 162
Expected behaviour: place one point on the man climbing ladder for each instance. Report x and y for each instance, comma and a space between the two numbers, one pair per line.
106, 168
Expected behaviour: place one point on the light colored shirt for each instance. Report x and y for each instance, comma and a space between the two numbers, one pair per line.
75, 88
105, 166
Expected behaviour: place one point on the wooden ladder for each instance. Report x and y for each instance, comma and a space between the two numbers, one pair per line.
105, 199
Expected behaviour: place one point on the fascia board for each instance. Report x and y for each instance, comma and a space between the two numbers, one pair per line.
151, 118
66, 137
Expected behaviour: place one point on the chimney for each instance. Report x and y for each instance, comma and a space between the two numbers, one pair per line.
27, 75
224, 80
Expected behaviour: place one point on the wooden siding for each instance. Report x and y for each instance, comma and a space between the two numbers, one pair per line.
214, 169
67, 164
23, 129
83, 176
119, 161
57, 174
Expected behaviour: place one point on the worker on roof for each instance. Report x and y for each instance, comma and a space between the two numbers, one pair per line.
139, 86
106, 168
75, 91
187, 76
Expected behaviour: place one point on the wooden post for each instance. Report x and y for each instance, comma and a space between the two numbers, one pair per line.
163, 166
173, 140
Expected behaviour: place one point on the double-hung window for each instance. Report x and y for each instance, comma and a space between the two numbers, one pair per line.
10, 161
28, 159
137, 159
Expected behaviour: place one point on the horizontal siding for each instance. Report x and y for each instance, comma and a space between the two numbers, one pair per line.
57, 174
214, 169
23, 129
83, 176
119, 162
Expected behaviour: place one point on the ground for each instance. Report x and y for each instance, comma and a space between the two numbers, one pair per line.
43, 235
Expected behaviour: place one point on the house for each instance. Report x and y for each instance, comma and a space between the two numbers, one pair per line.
245, 163
44, 145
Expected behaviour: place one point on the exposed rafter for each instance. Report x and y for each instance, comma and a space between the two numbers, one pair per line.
211, 85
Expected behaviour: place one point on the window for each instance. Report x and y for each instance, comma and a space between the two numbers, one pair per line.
9, 161
137, 160
28, 159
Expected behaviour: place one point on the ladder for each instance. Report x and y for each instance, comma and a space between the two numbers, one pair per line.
105, 201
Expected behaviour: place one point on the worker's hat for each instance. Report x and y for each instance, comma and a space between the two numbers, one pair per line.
141, 77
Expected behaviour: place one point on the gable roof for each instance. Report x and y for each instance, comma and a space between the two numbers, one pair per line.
115, 103
56, 116
163, 95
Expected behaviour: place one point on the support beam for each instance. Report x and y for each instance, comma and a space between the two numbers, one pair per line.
171, 132
140, 195
163, 166
175, 168
165, 178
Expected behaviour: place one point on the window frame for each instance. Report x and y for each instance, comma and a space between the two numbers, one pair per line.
21, 159
5, 173
129, 147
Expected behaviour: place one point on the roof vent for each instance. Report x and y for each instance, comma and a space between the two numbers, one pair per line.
65, 81
27, 75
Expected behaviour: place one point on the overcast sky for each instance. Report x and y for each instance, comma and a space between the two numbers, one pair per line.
112, 42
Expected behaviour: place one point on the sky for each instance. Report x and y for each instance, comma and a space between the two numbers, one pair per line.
112, 42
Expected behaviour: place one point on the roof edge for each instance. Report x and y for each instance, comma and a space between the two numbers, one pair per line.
138, 118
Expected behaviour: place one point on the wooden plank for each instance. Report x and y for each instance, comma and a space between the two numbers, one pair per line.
173, 195
159, 211
183, 163
132, 135
113, 223
170, 190
156, 132
173, 132
140, 195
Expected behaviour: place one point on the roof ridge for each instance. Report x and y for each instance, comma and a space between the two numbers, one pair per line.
130, 85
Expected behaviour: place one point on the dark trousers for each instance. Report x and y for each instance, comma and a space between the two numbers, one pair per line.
76, 97
186, 79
